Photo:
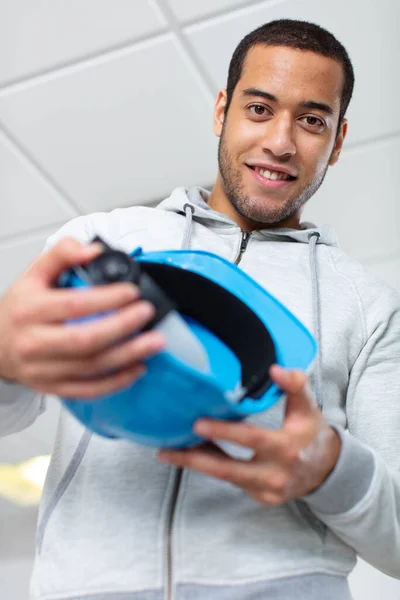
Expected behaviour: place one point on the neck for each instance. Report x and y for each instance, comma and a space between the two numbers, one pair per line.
220, 202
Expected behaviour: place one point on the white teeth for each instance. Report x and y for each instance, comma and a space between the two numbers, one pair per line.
272, 175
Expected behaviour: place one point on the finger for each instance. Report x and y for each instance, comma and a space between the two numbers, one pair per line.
243, 434
96, 388
52, 306
80, 340
118, 358
291, 382
242, 473
295, 385
268, 480
201, 459
267, 498
122, 356
66, 254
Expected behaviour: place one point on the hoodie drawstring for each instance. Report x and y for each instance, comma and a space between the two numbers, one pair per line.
189, 210
313, 240
316, 308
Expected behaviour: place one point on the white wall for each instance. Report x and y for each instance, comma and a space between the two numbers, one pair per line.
106, 103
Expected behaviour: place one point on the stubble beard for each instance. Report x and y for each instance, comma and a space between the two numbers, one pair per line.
258, 209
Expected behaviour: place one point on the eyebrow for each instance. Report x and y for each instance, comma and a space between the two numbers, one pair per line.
312, 104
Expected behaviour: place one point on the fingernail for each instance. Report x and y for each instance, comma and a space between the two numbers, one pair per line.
278, 371
97, 246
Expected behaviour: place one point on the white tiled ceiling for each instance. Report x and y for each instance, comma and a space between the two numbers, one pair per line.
360, 197
17, 254
39, 35
187, 10
28, 201
120, 131
371, 38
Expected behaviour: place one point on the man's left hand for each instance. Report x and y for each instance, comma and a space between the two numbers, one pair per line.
286, 464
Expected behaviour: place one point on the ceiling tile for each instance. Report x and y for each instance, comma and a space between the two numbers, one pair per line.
123, 131
360, 197
374, 109
187, 11
388, 271
28, 202
16, 257
40, 35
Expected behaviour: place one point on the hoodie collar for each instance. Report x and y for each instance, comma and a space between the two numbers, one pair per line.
197, 198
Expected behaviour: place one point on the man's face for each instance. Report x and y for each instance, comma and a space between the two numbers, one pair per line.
280, 133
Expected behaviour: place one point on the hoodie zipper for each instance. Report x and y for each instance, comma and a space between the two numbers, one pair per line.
169, 588
243, 245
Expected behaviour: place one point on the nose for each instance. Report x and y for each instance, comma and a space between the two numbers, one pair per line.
279, 137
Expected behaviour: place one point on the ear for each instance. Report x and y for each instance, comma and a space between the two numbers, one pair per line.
339, 143
219, 112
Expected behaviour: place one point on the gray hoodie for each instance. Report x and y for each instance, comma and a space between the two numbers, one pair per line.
116, 524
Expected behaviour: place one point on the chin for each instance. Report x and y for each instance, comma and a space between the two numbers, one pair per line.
271, 217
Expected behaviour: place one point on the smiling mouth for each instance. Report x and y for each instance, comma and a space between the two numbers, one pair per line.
272, 175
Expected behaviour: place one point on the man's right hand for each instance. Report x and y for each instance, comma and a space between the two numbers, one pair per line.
83, 360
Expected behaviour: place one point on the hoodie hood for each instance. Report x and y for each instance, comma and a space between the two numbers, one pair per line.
197, 199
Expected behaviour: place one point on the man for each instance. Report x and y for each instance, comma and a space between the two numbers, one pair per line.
121, 521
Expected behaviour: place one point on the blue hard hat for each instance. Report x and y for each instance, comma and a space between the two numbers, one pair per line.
218, 368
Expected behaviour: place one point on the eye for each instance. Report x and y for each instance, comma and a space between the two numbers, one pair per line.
313, 122
259, 110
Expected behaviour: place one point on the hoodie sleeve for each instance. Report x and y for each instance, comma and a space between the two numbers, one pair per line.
19, 405
360, 500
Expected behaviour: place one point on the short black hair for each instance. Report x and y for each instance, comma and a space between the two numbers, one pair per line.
299, 35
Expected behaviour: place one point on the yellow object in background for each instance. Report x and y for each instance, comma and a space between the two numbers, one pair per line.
23, 483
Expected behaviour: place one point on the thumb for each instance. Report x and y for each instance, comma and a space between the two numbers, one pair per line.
295, 385
67, 253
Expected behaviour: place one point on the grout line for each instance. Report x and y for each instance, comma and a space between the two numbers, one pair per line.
32, 165
80, 63
97, 57
370, 143
31, 235
196, 68
221, 15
